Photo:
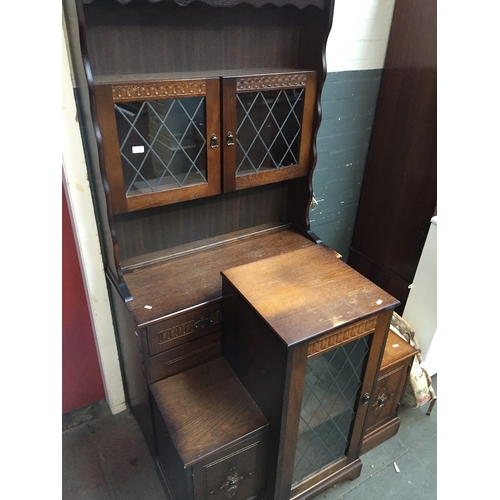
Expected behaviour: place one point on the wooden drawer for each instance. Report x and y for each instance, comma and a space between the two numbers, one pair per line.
183, 328
211, 438
185, 356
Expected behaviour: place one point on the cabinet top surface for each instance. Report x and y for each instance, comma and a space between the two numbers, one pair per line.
396, 350
194, 278
206, 408
307, 292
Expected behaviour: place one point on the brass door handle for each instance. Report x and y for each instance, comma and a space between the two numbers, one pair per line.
229, 139
202, 323
214, 143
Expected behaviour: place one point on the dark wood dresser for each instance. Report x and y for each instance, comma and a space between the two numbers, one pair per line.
200, 120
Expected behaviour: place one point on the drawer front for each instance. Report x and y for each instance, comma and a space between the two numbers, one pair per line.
237, 473
184, 328
386, 397
185, 356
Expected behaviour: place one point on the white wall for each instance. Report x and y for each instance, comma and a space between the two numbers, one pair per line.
421, 307
75, 179
358, 41
359, 35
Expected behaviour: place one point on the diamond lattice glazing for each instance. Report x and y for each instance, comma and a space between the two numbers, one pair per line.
331, 389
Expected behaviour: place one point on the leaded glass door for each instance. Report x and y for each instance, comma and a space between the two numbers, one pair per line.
164, 142
331, 394
267, 128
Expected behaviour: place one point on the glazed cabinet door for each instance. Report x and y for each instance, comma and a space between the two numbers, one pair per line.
267, 128
338, 380
332, 390
159, 141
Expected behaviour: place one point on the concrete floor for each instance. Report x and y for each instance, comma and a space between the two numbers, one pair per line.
104, 457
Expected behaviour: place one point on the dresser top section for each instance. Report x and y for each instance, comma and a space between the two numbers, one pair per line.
307, 292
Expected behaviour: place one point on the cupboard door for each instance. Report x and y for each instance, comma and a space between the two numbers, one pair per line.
331, 394
160, 141
267, 128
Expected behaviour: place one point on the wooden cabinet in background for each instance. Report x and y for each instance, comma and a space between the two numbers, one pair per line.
399, 192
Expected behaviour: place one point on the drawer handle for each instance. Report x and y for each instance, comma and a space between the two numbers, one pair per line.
380, 402
202, 323
232, 482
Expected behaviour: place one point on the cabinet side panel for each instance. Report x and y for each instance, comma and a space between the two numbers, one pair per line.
84, 105
132, 365
259, 360
171, 466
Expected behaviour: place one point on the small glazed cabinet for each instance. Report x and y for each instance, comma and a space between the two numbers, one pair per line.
305, 333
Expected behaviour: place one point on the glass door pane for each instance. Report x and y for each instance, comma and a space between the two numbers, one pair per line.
162, 144
331, 392
268, 129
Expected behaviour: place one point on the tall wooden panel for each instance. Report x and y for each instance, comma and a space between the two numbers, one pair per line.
399, 193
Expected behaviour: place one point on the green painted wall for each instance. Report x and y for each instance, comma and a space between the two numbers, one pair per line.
348, 100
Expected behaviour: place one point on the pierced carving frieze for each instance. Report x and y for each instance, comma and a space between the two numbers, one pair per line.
270, 82
380, 401
231, 482
233, 479
230, 3
124, 92
186, 328
341, 336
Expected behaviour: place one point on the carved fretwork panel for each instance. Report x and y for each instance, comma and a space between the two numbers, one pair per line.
158, 90
385, 399
341, 336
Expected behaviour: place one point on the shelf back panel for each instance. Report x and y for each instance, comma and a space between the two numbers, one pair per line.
141, 38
